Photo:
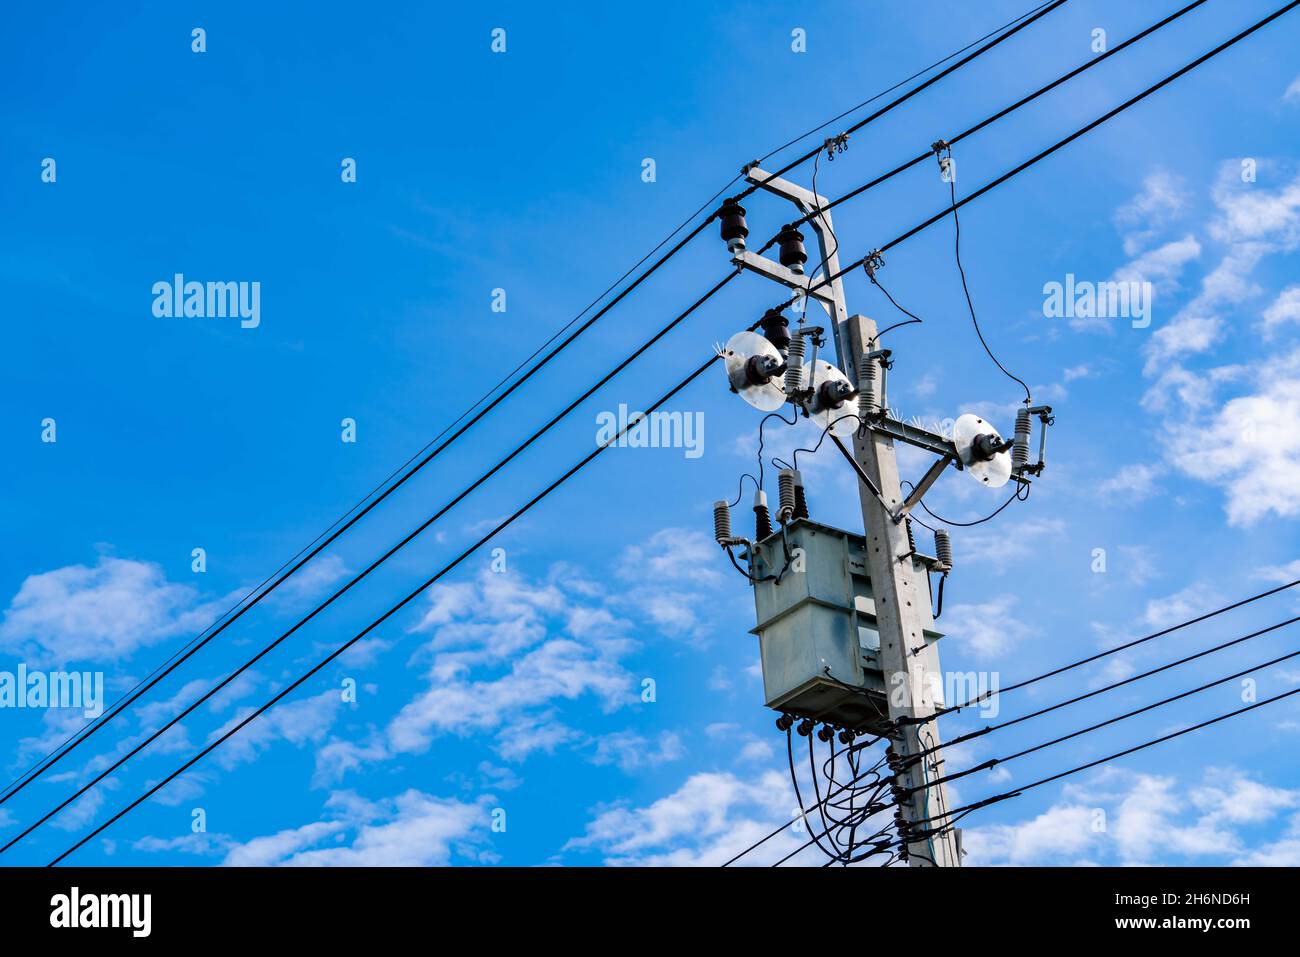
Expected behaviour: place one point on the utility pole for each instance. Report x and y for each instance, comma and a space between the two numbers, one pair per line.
909, 654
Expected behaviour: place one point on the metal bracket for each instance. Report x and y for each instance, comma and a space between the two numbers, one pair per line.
830, 295
786, 276
922, 487
912, 435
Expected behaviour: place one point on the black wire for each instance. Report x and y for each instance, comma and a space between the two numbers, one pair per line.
89, 729
740, 489
866, 102
235, 729
1024, 21
980, 521
394, 549
1128, 681
1060, 144
987, 121
794, 418
914, 317
1123, 717
163, 672
794, 779
761, 841
956, 222
1111, 651
825, 432
1119, 754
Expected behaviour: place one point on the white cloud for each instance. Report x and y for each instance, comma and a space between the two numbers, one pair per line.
1251, 222
991, 545
1182, 336
1060, 835
709, 819
1292, 94
413, 829
986, 628
1180, 606
1285, 309
1162, 266
561, 669
1118, 816
632, 752
101, 613
310, 581
1132, 483
297, 722
1162, 199
1250, 447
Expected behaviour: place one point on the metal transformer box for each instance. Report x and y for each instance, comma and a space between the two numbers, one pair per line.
817, 629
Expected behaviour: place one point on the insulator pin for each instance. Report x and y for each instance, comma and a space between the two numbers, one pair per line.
776, 328
942, 550
868, 404
734, 229
792, 254
794, 366
1020, 446
722, 522
800, 499
762, 517
785, 495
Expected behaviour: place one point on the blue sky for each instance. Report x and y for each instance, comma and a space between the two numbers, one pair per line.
1174, 449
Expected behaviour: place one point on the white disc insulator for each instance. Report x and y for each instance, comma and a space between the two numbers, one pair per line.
740, 348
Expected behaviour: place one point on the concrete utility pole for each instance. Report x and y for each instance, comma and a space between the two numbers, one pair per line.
908, 651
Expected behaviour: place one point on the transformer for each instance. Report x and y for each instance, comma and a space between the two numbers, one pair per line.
817, 632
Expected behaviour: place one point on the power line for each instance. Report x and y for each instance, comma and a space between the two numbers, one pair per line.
983, 696
1121, 683
168, 669
989, 186
1025, 21
788, 824
1006, 111
994, 762
267, 649
1112, 757
316, 546
886, 92
1045, 153
288, 689
970, 303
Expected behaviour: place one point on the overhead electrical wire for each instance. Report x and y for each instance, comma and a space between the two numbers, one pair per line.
1050, 150
970, 303
1006, 176
410, 597
360, 576
1125, 646
1025, 21
788, 824
960, 811
1000, 114
317, 545
995, 762
870, 100
1123, 682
